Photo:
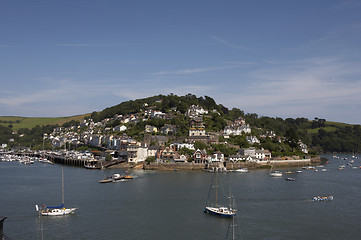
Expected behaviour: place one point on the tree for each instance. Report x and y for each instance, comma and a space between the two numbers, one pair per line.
108, 158
235, 113
150, 159
200, 145
292, 137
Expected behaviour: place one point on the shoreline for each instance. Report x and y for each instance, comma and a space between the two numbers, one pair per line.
171, 166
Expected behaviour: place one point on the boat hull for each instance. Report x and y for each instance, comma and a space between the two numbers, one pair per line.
242, 170
329, 198
220, 211
276, 174
58, 212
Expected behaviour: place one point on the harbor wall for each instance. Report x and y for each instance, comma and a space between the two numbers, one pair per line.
169, 166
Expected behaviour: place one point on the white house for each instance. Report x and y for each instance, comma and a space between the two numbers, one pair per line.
260, 154
195, 110
184, 145
152, 150
248, 152
303, 147
157, 114
216, 157
120, 128
236, 130
252, 139
236, 158
197, 132
137, 154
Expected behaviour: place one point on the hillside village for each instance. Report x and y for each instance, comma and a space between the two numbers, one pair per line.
162, 144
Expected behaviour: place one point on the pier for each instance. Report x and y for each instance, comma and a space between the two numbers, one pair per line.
71, 160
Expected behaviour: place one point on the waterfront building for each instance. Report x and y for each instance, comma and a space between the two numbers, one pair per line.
167, 154
216, 157
236, 158
199, 156
152, 151
254, 154
136, 153
248, 152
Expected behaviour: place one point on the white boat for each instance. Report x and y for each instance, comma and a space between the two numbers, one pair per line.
275, 173
57, 210
342, 167
215, 208
318, 198
242, 170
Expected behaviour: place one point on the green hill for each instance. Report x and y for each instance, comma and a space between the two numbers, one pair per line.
30, 122
319, 135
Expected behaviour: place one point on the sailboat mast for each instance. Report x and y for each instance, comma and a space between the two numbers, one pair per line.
216, 189
230, 199
233, 225
62, 185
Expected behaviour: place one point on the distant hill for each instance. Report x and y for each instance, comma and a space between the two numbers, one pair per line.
318, 134
31, 122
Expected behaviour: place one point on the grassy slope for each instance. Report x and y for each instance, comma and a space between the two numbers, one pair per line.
330, 127
31, 122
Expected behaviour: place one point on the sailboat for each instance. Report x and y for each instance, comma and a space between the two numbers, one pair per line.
57, 210
275, 173
216, 209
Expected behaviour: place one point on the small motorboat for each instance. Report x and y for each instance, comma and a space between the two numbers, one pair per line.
242, 170
290, 179
121, 178
328, 198
276, 174
106, 180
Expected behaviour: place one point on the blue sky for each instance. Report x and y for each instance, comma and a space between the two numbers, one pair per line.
275, 58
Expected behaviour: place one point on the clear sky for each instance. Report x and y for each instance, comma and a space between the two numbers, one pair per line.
277, 58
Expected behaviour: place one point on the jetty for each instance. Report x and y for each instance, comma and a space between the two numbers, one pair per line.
71, 159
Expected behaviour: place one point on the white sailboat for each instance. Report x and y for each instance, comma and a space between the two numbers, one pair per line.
57, 210
275, 173
216, 209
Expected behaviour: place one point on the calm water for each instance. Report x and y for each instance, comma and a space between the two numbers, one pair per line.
164, 205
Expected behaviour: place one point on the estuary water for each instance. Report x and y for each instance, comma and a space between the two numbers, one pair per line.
169, 205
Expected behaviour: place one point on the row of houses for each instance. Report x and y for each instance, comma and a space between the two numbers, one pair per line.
138, 151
